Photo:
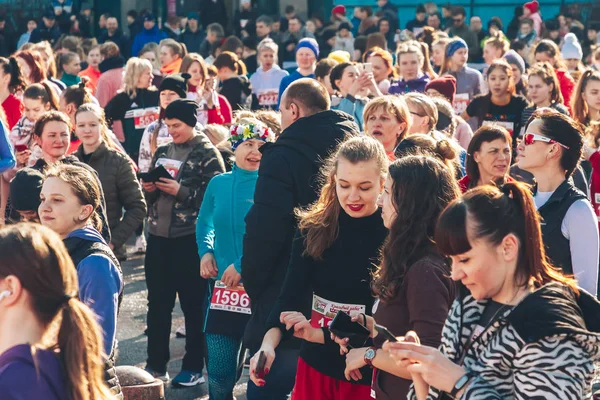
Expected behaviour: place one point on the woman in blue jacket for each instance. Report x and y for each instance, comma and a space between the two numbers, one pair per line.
219, 232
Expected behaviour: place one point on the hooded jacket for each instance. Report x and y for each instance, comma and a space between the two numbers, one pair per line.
401, 86
147, 36
100, 283
121, 190
193, 164
287, 178
543, 348
22, 377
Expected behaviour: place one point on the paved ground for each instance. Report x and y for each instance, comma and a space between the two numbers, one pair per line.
132, 341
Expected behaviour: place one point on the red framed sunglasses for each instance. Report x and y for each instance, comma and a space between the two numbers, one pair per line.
530, 138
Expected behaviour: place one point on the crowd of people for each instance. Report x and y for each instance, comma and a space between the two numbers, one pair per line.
439, 184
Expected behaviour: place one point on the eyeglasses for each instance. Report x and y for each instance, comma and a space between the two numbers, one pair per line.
529, 138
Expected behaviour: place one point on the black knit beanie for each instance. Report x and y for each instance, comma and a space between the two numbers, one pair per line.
176, 83
25, 189
184, 110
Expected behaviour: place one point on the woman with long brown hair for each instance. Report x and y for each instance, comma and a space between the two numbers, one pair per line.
547, 50
516, 317
586, 98
412, 283
38, 292
336, 244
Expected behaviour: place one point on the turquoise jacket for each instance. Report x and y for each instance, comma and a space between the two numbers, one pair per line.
352, 106
220, 227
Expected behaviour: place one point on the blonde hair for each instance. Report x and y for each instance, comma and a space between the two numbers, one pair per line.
134, 68
99, 113
425, 106
176, 47
216, 133
410, 47
394, 106
268, 44
498, 42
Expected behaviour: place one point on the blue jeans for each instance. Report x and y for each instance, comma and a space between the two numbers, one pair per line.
280, 380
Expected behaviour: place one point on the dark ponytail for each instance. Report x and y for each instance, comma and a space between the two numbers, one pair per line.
11, 67
78, 94
494, 213
43, 92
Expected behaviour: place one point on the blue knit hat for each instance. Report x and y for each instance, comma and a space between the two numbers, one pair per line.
455, 45
309, 43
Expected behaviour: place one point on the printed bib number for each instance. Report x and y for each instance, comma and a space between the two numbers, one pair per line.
461, 102
234, 300
144, 117
323, 311
268, 98
509, 126
172, 166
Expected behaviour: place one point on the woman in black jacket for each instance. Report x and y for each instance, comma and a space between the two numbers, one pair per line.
333, 254
116, 171
235, 86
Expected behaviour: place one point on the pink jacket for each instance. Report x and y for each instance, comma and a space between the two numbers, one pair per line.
108, 85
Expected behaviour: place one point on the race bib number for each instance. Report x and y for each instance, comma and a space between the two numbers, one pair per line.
268, 98
234, 300
509, 126
145, 116
323, 311
461, 102
172, 166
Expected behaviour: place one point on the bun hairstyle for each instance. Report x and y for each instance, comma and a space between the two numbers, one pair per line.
422, 188
230, 60
498, 41
492, 214
10, 66
425, 145
78, 94
176, 48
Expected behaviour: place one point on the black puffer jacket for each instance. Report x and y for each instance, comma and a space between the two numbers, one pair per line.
287, 178
121, 191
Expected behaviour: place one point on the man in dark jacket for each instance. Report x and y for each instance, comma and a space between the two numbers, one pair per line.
212, 11
192, 36
47, 30
287, 178
114, 34
461, 29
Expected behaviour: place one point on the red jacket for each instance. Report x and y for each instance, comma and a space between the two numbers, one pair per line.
465, 181
13, 108
595, 182
567, 84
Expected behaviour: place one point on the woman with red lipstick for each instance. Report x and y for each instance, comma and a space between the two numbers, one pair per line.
388, 120
501, 106
488, 158
333, 254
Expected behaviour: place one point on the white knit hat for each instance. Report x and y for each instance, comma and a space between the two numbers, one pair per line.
571, 47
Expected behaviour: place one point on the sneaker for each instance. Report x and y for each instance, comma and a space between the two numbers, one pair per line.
140, 245
163, 376
188, 378
180, 332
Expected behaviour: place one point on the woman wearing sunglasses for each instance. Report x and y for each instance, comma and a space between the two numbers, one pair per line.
550, 150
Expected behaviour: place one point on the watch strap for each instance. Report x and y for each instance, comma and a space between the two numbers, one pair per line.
461, 383
369, 361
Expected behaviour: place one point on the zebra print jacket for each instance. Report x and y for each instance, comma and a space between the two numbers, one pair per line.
544, 348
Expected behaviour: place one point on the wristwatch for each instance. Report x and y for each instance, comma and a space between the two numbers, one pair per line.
460, 384
370, 355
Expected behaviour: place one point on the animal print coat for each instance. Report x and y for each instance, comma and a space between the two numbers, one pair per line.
543, 348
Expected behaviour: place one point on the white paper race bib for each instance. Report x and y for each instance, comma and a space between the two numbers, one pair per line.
172, 166
509, 126
268, 98
234, 300
323, 311
143, 117
461, 102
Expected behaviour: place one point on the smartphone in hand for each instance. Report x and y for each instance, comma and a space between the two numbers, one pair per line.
383, 331
260, 365
342, 326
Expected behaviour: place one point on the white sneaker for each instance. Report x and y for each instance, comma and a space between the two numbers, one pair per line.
140, 245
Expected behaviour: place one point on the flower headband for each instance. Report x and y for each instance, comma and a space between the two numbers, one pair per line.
240, 133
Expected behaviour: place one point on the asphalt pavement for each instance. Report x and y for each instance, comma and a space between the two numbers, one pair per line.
133, 342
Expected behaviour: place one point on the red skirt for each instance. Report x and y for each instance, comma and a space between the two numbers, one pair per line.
312, 385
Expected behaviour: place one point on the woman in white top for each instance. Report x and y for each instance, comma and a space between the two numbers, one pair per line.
551, 149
